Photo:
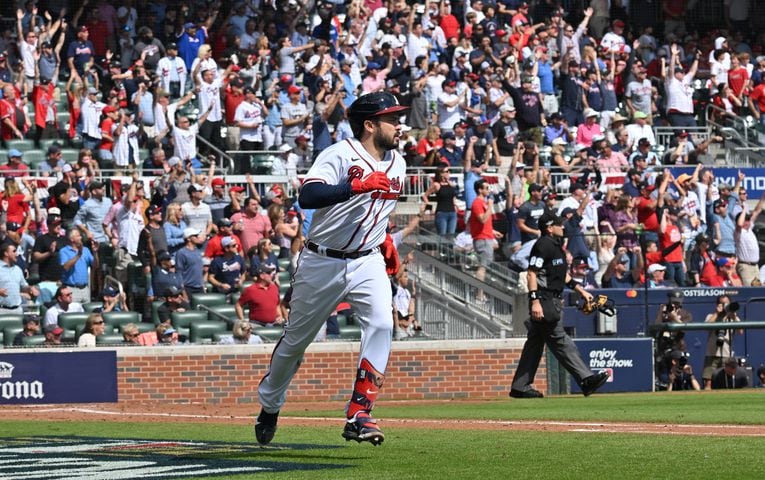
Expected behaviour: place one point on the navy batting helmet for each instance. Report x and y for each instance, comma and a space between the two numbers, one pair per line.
373, 105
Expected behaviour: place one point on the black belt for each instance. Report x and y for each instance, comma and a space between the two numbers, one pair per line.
10, 308
76, 286
553, 293
330, 252
754, 264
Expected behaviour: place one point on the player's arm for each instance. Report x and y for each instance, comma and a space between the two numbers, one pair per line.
319, 195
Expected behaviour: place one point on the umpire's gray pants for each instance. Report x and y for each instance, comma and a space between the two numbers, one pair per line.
560, 344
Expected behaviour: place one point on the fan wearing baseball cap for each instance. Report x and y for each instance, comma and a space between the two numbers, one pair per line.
547, 276
295, 115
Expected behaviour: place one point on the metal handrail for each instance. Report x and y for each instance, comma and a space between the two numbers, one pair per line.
216, 314
218, 151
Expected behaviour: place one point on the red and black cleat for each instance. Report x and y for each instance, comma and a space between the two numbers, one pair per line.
363, 428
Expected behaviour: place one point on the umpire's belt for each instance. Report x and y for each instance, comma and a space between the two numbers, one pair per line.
331, 252
552, 293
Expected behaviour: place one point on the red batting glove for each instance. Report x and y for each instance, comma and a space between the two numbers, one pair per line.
390, 254
372, 182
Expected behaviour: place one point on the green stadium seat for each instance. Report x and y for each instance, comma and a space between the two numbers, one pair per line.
275, 249
70, 323
110, 339
34, 340
350, 332
63, 120
20, 144
143, 327
155, 311
70, 155
117, 319
283, 287
202, 332
44, 144
284, 277
11, 320
182, 320
90, 307
269, 334
284, 264
33, 158
9, 333
228, 312
207, 299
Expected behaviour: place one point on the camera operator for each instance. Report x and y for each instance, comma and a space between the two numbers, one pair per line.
673, 312
677, 374
669, 344
720, 342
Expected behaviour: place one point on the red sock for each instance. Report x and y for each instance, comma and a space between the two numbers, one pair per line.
365, 390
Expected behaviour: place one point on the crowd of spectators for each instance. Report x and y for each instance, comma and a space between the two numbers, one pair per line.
559, 97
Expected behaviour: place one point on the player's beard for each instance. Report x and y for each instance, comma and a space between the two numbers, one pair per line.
385, 142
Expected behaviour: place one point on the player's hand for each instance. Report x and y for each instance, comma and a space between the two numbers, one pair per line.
586, 295
372, 182
390, 255
537, 313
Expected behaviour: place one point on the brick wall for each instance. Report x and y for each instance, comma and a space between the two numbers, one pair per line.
230, 374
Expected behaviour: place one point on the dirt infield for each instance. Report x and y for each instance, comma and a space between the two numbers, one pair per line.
244, 415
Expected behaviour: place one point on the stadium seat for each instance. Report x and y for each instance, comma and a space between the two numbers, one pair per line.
19, 144
275, 249
143, 327
228, 312
110, 339
283, 287
207, 299
9, 321
70, 323
63, 120
33, 158
34, 340
44, 144
117, 319
202, 332
70, 155
269, 334
182, 320
235, 296
155, 311
284, 278
284, 264
350, 332
9, 333
92, 306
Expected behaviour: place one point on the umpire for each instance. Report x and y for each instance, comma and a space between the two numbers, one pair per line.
548, 274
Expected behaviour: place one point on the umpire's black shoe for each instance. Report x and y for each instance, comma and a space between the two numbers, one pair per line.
530, 393
594, 382
265, 427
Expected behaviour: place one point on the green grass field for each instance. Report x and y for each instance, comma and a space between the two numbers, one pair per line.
433, 453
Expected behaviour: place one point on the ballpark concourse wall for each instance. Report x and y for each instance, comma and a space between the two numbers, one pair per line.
229, 374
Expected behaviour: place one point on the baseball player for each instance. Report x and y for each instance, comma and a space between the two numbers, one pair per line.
548, 274
353, 185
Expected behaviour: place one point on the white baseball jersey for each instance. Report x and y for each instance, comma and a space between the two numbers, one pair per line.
172, 70
209, 94
91, 116
359, 223
249, 113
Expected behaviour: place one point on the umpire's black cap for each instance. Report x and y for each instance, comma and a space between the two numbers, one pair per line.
549, 219
374, 105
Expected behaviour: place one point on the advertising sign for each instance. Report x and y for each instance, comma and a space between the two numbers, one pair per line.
58, 377
629, 361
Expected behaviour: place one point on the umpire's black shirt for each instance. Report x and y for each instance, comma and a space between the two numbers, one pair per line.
549, 262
